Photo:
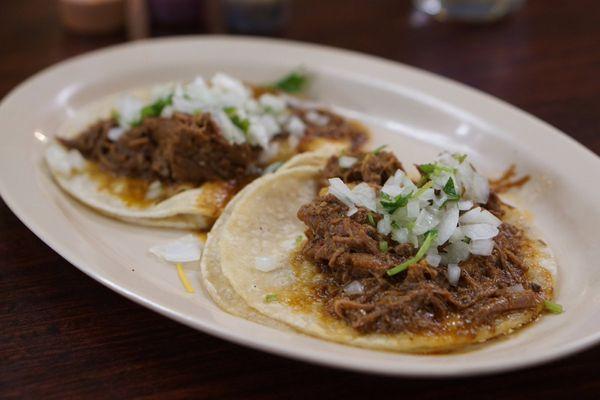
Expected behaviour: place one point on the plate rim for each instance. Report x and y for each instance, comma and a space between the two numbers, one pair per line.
312, 356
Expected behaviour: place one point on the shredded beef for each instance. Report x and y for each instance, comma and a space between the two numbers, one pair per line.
336, 127
189, 149
182, 149
346, 249
370, 168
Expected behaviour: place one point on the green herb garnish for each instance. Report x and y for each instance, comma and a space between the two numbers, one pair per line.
553, 307
430, 237
271, 297
450, 190
426, 169
273, 167
459, 157
114, 114
241, 123
299, 239
434, 169
383, 246
391, 204
422, 189
379, 149
156, 108
294, 82
371, 219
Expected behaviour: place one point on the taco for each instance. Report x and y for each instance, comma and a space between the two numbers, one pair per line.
356, 252
174, 155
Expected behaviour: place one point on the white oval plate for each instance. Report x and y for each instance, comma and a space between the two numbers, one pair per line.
417, 113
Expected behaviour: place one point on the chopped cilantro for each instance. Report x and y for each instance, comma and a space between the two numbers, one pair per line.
379, 149
371, 219
241, 123
450, 190
426, 169
155, 109
434, 169
294, 82
383, 246
422, 189
553, 307
459, 157
271, 297
430, 237
391, 204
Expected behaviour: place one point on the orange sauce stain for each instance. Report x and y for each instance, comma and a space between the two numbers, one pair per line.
202, 236
303, 296
215, 196
132, 191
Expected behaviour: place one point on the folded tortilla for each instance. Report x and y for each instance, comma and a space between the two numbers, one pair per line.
261, 229
192, 208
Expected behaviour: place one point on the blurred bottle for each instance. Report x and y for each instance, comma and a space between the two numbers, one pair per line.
176, 14
468, 10
92, 16
255, 17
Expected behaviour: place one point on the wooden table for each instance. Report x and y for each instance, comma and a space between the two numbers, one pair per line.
63, 335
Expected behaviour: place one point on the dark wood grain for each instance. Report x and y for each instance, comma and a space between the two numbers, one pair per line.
62, 335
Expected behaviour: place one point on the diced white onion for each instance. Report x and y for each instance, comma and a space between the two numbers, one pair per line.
64, 161
295, 126
364, 195
129, 109
343, 193
481, 247
399, 184
115, 133
347, 162
457, 236
231, 132
272, 103
317, 118
354, 288
487, 217
413, 209
471, 216
400, 235
426, 195
453, 274
384, 225
154, 190
440, 199
185, 249
480, 189
425, 222
479, 216
76, 160
268, 116
265, 263
455, 253
480, 231
448, 223
464, 205
433, 258
226, 83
